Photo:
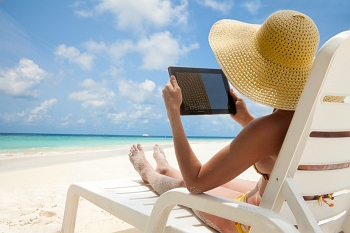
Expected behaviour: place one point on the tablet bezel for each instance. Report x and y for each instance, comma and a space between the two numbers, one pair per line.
231, 108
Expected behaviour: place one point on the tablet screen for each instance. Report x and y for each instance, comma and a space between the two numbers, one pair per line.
204, 91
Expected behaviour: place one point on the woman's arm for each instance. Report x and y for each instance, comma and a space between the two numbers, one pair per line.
188, 163
261, 138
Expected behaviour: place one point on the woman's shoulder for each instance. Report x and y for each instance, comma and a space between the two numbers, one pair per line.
278, 121
269, 131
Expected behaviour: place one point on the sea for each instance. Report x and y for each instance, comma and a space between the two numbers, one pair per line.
16, 145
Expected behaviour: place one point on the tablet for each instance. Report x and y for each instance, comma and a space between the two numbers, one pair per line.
204, 91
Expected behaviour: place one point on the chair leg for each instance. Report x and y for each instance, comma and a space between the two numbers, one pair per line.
70, 211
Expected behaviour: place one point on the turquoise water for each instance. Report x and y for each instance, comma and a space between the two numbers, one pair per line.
30, 141
24, 144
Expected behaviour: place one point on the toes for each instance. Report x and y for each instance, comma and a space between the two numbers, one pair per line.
161, 151
133, 150
139, 147
156, 148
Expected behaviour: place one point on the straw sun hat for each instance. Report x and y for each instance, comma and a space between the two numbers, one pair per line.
267, 63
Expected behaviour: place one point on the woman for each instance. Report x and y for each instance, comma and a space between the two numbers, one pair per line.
267, 63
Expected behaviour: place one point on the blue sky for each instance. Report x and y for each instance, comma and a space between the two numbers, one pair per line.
98, 67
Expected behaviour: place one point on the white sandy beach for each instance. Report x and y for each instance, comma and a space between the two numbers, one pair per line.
33, 190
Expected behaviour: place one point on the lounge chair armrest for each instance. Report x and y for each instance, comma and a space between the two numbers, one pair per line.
266, 220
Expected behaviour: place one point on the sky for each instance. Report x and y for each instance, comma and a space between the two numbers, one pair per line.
99, 66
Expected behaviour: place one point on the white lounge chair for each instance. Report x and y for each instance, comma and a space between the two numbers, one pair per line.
283, 208
330, 76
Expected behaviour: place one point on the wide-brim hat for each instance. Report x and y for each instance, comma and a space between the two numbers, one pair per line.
267, 63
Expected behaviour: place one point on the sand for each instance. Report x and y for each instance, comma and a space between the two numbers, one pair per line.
33, 190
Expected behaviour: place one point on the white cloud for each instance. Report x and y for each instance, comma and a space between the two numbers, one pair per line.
157, 51
64, 124
83, 14
222, 6
253, 6
81, 121
143, 111
160, 50
120, 48
67, 117
95, 47
115, 50
148, 85
20, 80
140, 111
44, 107
11, 117
114, 71
138, 92
138, 14
33, 118
116, 117
95, 94
73, 55
40, 112
66, 120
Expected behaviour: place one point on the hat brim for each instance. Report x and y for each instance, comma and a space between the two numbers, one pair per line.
235, 47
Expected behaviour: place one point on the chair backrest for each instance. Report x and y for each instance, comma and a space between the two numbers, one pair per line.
307, 143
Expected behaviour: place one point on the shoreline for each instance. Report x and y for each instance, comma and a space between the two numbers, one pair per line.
25, 162
60, 149
32, 196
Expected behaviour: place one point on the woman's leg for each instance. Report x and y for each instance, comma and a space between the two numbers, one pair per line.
159, 182
232, 189
221, 224
240, 185
162, 183
163, 167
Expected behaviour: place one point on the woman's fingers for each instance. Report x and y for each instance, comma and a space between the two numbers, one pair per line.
174, 82
172, 94
234, 95
171, 85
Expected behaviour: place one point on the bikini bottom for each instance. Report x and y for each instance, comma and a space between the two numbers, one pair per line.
243, 198
240, 227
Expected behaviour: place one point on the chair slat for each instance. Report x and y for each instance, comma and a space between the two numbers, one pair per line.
332, 116
334, 225
322, 182
326, 151
136, 207
341, 203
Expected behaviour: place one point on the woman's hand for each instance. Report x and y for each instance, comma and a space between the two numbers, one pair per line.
242, 116
172, 96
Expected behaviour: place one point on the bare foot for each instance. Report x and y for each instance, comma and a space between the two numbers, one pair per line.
139, 161
159, 156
